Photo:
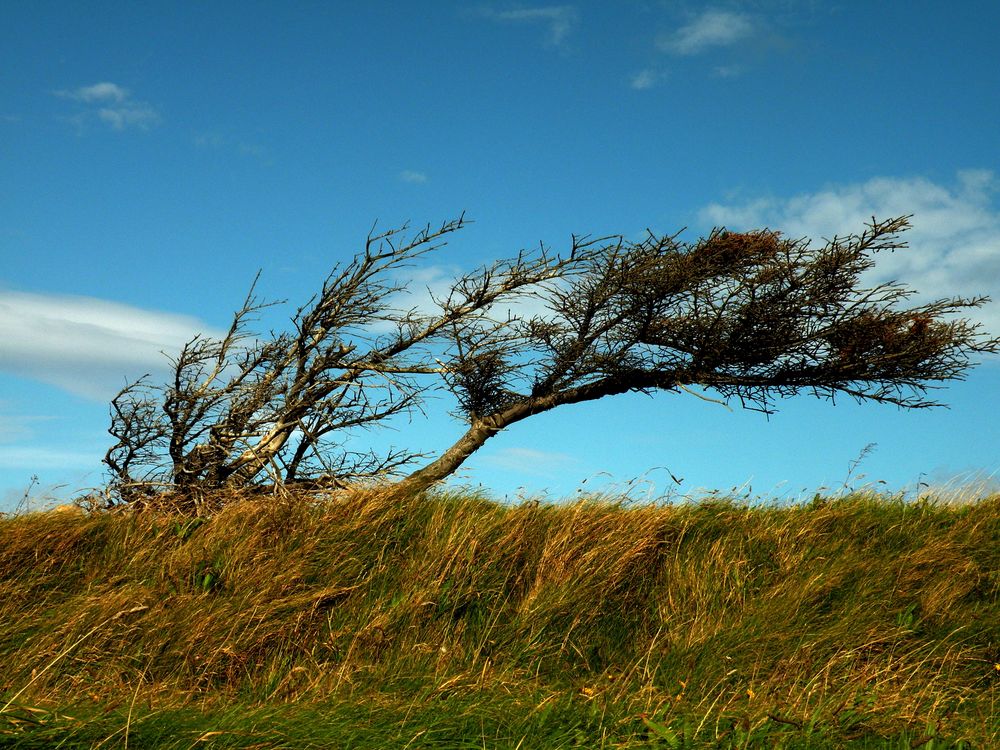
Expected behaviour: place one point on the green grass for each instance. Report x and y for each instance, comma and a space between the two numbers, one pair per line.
450, 621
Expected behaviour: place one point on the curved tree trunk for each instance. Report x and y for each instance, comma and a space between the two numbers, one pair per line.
448, 462
485, 428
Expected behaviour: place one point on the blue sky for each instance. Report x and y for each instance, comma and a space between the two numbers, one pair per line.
153, 156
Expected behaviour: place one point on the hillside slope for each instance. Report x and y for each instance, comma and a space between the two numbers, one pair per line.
454, 621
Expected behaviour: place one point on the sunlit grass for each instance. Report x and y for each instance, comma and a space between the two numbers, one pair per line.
451, 621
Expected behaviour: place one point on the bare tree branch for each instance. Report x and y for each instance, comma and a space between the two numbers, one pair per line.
753, 317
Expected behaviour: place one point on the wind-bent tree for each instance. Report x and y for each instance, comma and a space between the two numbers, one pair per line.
751, 317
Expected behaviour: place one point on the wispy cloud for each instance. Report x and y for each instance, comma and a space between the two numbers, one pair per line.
40, 458
14, 427
32, 496
529, 461
561, 19
111, 104
727, 71
645, 79
408, 175
212, 140
954, 246
84, 345
424, 285
251, 149
99, 92
712, 28
138, 114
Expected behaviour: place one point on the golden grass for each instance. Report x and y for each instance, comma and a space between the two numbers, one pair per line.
863, 616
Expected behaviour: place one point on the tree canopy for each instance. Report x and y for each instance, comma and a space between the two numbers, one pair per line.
752, 317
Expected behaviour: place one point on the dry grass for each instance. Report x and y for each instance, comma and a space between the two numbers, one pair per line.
859, 619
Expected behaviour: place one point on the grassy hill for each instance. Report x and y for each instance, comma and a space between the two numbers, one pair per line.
452, 621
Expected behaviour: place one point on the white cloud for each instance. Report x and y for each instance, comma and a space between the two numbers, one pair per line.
954, 245
31, 496
408, 175
84, 345
423, 285
111, 104
217, 141
37, 458
713, 28
14, 427
560, 18
644, 79
138, 114
99, 92
727, 71
251, 149
210, 140
529, 461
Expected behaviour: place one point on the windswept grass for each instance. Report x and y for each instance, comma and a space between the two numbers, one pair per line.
451, 621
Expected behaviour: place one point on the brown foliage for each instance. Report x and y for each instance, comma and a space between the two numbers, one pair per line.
752, 316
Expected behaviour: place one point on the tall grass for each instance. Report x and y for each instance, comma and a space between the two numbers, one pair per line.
454, 621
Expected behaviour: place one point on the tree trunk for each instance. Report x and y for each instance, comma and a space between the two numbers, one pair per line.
483, 429
449, 461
